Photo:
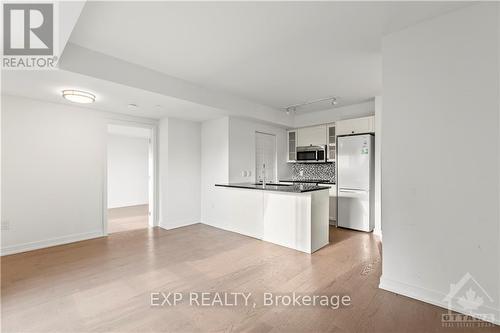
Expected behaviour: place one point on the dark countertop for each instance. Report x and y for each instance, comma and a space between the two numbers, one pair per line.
315, 181
295, 188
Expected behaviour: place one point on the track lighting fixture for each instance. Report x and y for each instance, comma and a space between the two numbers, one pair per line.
290, 108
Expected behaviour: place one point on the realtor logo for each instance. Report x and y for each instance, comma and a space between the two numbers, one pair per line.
469, 297
28, 29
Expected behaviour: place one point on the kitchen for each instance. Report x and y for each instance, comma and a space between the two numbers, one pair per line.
263, 125
317, 159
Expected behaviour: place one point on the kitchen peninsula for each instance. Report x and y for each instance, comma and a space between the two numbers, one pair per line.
295, 216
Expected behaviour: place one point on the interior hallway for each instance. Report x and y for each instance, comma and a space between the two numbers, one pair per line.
127, 218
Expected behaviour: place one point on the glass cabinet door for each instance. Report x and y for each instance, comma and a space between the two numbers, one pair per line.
292, 146
331, 134
331, 142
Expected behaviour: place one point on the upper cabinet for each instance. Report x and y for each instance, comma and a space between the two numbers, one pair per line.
355, 126
314, 135
292, 145
326, 134
331, 142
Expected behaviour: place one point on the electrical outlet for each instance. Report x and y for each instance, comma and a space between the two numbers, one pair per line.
5, 225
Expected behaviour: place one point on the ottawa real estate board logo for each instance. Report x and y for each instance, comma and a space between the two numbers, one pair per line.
28, 36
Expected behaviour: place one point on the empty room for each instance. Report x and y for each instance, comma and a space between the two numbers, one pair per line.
289, 166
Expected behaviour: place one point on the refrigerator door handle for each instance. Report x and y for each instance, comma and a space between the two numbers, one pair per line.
351, 190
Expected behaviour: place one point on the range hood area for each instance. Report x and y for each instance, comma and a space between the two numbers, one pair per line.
312, 154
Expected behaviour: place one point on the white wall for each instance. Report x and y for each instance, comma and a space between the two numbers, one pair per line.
228, 148
127, 171
163, 171
242, 148
53, 166
214, 167
332, 115
180, 172
440, 154
498, 245
378, 166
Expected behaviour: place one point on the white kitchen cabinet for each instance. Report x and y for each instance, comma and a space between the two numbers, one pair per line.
355, 126
292, 145
333, 201
313, 135
331, 142
295, 220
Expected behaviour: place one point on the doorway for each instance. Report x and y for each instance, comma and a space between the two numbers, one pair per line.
129, 178
265, 157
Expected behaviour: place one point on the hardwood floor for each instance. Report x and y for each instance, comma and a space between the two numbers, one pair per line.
105, 285
127, 218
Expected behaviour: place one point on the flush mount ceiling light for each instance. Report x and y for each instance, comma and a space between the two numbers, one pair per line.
78, 96
132, 106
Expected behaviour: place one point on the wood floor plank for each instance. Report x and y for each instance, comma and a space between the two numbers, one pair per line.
127, 218
105, 285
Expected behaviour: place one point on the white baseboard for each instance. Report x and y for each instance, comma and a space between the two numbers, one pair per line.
176, 224
226, 228
429, 296
127, 205
218, 226
49, 242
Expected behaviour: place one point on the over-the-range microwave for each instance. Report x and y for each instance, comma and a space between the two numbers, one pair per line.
311, 154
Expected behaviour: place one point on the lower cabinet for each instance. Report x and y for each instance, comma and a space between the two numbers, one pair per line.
333, 202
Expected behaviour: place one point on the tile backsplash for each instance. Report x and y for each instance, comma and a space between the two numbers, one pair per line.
312, 171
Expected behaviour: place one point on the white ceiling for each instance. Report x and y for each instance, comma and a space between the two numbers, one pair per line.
111, 97
275, 53
241, 58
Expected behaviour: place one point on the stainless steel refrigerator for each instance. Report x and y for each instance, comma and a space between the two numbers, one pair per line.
355, 182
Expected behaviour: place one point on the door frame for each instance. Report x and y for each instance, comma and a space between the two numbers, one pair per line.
275, 155
153, 196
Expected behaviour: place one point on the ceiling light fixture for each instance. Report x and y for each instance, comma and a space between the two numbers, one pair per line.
78, 96
288, 109
132, 106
